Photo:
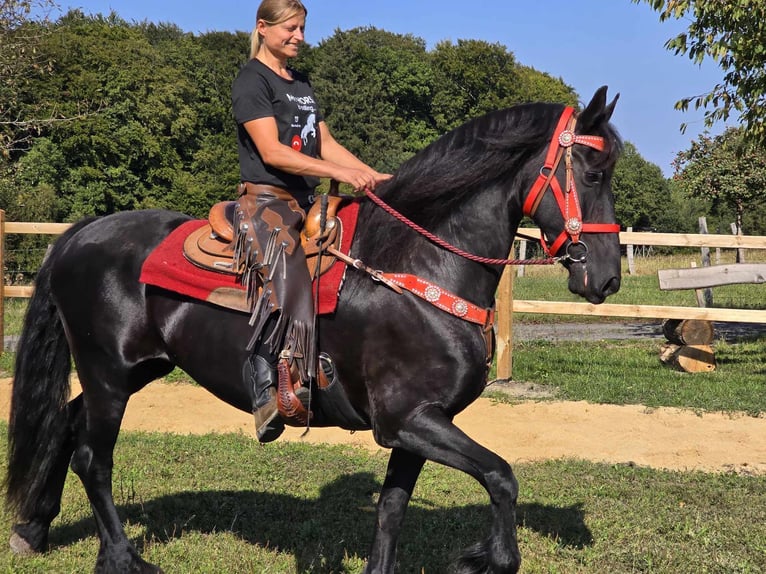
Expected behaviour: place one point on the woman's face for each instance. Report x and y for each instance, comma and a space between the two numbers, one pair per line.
283, 39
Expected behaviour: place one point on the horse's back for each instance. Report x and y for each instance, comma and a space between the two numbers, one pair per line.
136, 231
119, 241
94, 275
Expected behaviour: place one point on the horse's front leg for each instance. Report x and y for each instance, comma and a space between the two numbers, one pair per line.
431, 434
401, 476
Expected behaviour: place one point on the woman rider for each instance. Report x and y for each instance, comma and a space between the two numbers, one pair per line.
284, 148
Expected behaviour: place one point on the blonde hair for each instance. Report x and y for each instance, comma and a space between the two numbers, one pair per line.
273, 12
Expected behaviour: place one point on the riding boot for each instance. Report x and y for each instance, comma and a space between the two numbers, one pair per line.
262, 377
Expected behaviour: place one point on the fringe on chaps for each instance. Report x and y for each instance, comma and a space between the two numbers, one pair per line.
271, 264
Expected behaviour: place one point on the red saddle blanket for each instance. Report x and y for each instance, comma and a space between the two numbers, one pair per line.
167, 267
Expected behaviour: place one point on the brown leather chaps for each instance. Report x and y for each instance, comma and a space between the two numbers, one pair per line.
272, 264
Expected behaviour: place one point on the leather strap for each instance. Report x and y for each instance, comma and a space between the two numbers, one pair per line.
441, 298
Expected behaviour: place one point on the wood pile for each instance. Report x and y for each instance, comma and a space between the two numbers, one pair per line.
689, 347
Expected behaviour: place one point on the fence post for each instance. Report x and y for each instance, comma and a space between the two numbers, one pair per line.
522, 255
740, 252
504, 325
2, 281
629, 253
707, 294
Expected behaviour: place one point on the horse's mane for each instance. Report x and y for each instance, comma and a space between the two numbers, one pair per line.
490, 149
483, 149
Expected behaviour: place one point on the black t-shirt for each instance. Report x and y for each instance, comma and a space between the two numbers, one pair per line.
258, 92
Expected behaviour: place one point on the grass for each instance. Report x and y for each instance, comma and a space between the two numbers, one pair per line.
629, 372
13, 316
192, 504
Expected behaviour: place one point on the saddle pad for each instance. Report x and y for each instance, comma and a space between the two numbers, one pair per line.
166, 267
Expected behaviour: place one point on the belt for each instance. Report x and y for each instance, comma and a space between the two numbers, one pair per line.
248, 188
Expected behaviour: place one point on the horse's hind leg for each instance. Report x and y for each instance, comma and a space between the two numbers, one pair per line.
92, 462
401, 476
431, 434
30, 534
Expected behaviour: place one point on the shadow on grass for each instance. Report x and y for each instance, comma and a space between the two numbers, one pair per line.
338, 523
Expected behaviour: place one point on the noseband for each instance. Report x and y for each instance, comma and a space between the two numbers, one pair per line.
564, 138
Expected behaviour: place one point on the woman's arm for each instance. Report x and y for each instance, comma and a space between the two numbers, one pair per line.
341, 165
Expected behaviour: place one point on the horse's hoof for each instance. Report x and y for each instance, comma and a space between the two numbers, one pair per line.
20, 546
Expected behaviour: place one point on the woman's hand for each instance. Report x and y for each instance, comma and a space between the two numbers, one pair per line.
361, 180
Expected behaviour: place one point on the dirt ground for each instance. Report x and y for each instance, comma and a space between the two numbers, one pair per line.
532, 430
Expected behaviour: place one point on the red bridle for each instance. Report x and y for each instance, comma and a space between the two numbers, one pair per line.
564, 138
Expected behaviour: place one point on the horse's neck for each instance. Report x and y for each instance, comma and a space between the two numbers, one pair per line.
479, 226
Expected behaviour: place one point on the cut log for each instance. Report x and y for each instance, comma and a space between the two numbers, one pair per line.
688, 331
688, 358
695, 358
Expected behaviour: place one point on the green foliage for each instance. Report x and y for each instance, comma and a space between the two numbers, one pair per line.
535, 86
375, 88
733, 34
728, 173
22, 65
154, 127
642, 194
133, 153
474, 77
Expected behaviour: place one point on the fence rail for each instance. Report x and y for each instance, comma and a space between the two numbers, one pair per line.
506, 304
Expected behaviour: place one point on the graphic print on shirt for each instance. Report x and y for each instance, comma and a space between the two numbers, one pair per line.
304, 121
309, 128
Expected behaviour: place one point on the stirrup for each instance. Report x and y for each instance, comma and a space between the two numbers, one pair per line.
268, 424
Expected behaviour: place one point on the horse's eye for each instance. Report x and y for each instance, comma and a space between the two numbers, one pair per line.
593, 177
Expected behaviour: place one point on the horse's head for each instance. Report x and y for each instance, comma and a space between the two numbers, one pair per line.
572, 201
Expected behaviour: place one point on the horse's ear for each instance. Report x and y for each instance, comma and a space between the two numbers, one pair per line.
597, 111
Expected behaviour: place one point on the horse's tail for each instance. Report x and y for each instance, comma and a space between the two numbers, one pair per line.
37, 426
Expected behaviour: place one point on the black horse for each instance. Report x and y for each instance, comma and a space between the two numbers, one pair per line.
407, 367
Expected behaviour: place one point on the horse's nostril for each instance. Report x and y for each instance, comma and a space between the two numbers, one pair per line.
612, 286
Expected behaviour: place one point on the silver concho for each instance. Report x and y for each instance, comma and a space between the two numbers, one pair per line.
460, 308
574, 225
566, 138
432, 293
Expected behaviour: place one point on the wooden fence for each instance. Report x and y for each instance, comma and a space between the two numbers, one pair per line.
506, 305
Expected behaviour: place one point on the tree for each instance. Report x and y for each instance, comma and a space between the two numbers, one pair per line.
474, 77
24, 28
642, 194
375, 90
733, 34
725, 171
536, 86
165, 99
20, 62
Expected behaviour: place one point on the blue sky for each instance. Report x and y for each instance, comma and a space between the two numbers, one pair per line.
587, 43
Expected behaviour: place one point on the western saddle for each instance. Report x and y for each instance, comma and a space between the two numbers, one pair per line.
212, 246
